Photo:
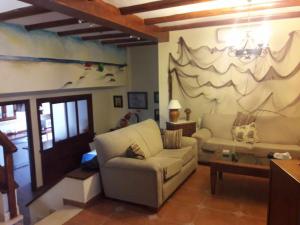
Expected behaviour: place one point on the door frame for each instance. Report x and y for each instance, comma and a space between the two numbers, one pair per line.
26, 102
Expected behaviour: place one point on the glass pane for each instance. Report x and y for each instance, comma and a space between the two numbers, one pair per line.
72, 121
1, 112
59, 121
83, 116
1, 155
46, 126
10, 112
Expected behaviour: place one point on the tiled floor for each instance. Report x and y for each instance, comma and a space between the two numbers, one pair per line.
240, 200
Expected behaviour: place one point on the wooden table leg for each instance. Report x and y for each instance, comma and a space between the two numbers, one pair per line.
213, 180
220, 175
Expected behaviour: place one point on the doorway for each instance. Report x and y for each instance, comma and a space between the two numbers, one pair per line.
15, 122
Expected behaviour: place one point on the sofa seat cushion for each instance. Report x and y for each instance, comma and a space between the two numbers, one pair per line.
218, 144
265, 148
169, 166
185, 154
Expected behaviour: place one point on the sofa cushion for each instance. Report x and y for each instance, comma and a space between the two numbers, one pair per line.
107, 147
150, 133
265, 148
220, 125
134, 151
243, 119
169, 166
115, 143
172, 139
278, 130
218, 144
185, 154
245, 133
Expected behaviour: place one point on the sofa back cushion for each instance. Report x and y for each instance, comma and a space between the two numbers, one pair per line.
278, 130
220, 125
115, 143
150, 133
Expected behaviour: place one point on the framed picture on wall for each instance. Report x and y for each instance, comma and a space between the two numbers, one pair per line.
137, 100
156, 114
118, 101
156, 97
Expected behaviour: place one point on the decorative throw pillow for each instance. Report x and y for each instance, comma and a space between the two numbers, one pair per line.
245, 133
243, 119
172, 139
134, 151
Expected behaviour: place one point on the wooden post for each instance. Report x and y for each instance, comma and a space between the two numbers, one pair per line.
9, 149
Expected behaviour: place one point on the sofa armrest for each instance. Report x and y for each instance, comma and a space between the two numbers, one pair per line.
133, 180
202, 134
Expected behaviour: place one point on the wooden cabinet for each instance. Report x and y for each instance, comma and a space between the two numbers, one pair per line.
284, 197
188, 127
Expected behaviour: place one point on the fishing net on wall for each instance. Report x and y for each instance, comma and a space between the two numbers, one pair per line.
271, 79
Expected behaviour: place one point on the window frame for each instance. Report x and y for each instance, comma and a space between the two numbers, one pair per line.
65, 100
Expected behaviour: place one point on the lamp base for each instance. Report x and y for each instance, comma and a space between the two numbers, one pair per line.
174, 115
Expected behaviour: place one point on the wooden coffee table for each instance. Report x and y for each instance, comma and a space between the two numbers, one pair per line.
247, 164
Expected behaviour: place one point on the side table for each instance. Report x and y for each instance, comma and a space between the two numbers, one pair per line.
188, 127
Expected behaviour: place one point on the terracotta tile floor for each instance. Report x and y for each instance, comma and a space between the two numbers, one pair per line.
240, 200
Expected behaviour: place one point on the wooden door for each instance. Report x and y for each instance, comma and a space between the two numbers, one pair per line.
66, 129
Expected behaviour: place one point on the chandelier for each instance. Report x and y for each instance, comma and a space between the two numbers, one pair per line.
252, 43
249, 49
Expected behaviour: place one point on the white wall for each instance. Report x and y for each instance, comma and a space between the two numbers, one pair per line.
195, 38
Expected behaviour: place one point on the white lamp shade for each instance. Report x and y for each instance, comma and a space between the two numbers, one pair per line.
174, 104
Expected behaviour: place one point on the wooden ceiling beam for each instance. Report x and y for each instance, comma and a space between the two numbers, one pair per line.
123, 40
218, 12
105, 36
136, 44
56, 23
99, 12
233, 21
84, 31
22, 12
151, 6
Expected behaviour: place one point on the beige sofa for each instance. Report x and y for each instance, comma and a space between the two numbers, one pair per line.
148, 182
276, 134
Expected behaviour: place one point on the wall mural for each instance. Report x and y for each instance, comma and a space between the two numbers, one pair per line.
42, 61
268, 83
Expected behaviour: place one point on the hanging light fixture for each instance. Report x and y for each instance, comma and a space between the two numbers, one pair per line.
250, 46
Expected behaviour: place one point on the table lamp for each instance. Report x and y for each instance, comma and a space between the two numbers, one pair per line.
174, 107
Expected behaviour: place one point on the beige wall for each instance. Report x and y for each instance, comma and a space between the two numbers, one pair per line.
195, 38
143, 70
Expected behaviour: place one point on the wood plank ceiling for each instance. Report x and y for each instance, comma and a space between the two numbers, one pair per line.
141, 22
